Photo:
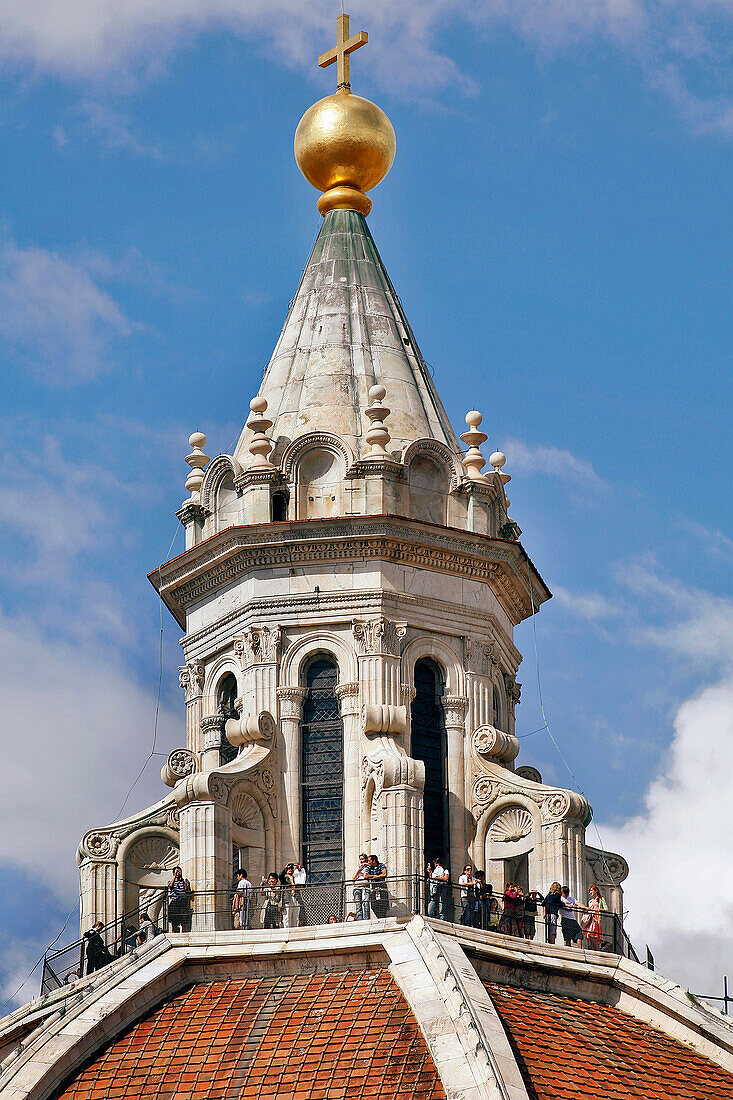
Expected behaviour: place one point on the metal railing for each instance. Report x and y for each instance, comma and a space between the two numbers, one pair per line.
315, 904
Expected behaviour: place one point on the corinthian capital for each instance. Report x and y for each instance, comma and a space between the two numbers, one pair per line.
258, 645
378, 636
191, 679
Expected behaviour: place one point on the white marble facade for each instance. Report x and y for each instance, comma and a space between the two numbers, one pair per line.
324, 535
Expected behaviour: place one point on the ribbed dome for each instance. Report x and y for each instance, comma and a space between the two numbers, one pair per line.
346, 331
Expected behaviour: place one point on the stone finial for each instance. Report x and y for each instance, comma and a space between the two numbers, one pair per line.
473, 460
497, 460
196, 460
377, 435
260, 446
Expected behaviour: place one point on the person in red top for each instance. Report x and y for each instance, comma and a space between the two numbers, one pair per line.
511, 919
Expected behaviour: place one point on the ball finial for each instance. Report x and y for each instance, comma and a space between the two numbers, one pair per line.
497, 459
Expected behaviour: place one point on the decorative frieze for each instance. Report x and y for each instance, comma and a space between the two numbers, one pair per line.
373, 636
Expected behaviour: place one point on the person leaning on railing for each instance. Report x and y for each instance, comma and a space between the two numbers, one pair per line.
554, 905
272, 908
361, 889
179, 902
439, 889
94, 952
376, 874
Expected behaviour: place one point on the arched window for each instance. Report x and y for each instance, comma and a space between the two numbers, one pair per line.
322, 773
226, 693
279, 507
498, 716
429, 744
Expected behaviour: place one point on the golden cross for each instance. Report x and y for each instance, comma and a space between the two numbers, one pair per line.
340, 52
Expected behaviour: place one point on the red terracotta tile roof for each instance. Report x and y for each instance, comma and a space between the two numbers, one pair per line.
567, 1048
310, 1037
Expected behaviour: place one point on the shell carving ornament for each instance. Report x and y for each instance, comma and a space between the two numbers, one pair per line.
154, 853
511, 825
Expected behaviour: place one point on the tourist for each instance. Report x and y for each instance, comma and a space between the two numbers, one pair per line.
179, 902
272, 909
333, 919
300, 875
483, 892
94, 952
439, 879
468, 896
592, 924
511, 917
571, 930
350, 916
553, 906
147, 930
129, 937
361, 889
376, 874
242, 901
531, 901
291, 905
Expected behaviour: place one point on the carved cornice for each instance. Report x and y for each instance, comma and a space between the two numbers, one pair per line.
191, 679
224, 557
373, 636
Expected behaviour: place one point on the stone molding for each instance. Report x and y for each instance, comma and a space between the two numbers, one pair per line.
312, 441
554, 803
224, 557
378, 636
101, 844
190, 512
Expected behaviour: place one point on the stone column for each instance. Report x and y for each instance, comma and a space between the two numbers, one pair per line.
191, 679
206, 849
290, 700
348, 696
212, 731
454, 709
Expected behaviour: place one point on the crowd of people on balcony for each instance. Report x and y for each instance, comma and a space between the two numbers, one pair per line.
286, 900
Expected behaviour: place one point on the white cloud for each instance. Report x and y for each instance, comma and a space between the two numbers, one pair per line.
680, 890
75, 727
82, 38
589, 605
551, 462
114, 130
54, 317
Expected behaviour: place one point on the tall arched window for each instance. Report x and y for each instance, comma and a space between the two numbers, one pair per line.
226, 693
322, 773
429, 744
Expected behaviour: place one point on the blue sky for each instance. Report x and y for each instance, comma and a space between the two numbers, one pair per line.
558, 226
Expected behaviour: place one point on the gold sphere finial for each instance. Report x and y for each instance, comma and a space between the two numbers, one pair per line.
344, 144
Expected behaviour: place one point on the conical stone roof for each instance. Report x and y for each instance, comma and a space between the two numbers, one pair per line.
346, 331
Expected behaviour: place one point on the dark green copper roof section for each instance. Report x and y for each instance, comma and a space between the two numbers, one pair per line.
346, 331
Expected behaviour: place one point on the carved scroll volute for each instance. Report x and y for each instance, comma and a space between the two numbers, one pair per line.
191, 679
243, 731
379, 718
490, 742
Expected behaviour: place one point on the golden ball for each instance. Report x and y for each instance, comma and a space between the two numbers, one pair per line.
344, 140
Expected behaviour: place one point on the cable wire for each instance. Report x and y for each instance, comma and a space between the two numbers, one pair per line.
547, 724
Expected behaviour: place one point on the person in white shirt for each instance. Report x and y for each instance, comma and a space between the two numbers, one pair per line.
467, 895
571, 930
242, 901
300, 876
439, 879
